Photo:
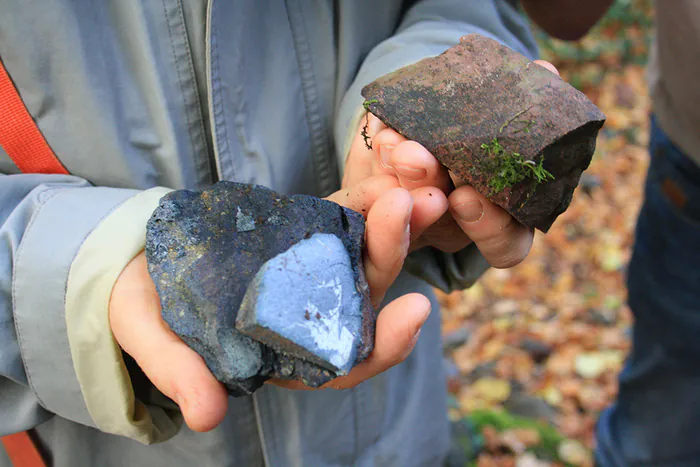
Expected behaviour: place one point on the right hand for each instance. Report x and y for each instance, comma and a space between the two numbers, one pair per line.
181, 374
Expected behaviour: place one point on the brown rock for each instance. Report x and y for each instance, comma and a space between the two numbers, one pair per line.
512, 129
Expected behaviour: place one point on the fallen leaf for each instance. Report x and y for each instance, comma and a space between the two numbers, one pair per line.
510, 441
530, 460
573, 452
591, 365
492, 389
529, 437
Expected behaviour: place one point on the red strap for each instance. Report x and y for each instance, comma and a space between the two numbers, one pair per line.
19, 135
22, 451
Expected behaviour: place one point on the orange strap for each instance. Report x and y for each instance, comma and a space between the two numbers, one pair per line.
19, 135
26, 146
22, 450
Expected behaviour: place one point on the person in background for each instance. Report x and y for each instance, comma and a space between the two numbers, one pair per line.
137, 98
654, 421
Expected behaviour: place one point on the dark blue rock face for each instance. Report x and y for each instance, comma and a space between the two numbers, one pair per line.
304, 301
205, 249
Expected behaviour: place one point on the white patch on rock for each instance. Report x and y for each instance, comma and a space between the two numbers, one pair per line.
244, 222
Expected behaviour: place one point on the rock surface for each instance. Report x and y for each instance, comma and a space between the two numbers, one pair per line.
304, 302
495, 119
205, 248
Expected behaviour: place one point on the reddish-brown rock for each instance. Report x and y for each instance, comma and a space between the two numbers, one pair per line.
512, 129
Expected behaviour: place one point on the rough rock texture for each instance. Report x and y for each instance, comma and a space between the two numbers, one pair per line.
480, 95
203, 251
304, 302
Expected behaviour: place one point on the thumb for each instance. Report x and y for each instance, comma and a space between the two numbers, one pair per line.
502, 240
175, 369
398, 327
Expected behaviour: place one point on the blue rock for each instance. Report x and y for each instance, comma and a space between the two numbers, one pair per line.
304, 302
205, 248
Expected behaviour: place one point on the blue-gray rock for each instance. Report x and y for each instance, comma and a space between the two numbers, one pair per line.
305, 302
205, 248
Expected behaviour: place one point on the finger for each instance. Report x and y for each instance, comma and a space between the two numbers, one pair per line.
360, 158
388, 236
429, 206
445, 235
501, 239
414, 165
175, 369
548, 66
398, 328
383, 145
361, 196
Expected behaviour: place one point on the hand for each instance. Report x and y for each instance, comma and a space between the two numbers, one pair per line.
181, 374
389, 211
444, 216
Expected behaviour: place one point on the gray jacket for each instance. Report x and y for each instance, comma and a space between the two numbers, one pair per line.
139, 94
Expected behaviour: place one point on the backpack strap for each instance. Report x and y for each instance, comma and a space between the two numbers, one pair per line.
19, 135
22, 450
26, 146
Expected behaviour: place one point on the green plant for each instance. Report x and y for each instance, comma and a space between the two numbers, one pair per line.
510, 168
500, 420
366, 104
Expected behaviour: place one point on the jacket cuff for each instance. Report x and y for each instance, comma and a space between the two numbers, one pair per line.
99, 367
447, 271
63, 218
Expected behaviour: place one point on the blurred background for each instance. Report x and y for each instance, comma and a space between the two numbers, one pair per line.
533, 353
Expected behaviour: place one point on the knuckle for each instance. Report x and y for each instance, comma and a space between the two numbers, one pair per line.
497, 229
509, 251
508, 260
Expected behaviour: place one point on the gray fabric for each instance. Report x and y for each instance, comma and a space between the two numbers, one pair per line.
395, 419
672, 65
38, 213
110, 87
234, 443
447, 272
40, 275
6, 164
117, 90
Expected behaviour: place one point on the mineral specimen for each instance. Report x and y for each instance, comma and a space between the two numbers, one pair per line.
304, 302
512, 129
208, 250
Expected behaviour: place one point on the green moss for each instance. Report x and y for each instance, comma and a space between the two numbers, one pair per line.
501, 421
366, 104
507, 169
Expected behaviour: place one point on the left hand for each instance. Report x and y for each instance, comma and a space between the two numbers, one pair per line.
444, 216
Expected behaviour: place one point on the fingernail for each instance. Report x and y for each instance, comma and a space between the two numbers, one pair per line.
412, 174
415, 338
407, 238
425, 317
407, 230
385, 155
470, 212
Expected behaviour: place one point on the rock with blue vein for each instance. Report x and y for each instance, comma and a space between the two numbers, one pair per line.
208, 250
304, 302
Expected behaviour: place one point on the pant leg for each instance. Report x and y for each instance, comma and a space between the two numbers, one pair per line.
656, 418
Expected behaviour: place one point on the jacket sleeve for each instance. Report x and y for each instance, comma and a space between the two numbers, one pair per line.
428, 29
63, 243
